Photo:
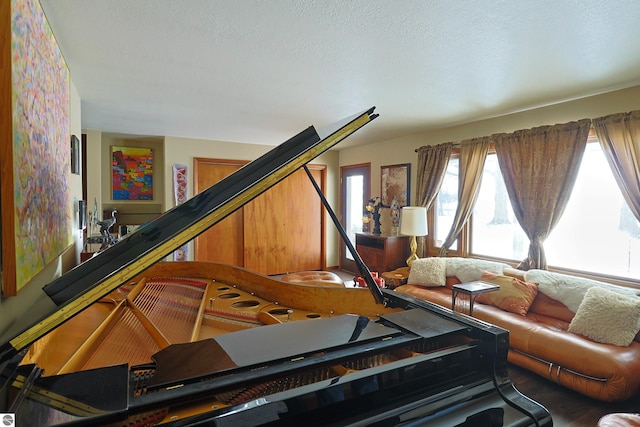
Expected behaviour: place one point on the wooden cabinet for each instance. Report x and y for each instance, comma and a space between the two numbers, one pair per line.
382, 253
278, 232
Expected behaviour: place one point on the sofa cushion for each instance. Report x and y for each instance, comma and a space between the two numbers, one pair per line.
547, 306
428, 272
568, 289
607, 317
470, 269
514, 295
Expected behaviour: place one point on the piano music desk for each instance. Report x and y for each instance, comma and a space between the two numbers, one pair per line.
472, 289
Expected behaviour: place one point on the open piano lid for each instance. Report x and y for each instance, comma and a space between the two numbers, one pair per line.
88, 282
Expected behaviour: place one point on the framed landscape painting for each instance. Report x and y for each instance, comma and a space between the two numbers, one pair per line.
395, 183
132, 173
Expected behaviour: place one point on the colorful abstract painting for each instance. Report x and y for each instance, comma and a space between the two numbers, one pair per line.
40, 150
132, 173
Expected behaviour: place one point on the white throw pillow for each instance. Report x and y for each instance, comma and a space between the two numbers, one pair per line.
607, 317
470, 269
428, 272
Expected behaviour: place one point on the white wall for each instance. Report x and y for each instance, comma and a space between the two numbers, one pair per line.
94, 169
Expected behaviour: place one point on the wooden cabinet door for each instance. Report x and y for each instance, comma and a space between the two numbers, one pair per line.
373, 258
306, 219
224, 241
278, 232
283, 227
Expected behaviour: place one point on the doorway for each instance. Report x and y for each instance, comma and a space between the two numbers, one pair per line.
355, 186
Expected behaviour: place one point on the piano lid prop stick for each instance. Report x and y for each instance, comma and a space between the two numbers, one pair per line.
362, 267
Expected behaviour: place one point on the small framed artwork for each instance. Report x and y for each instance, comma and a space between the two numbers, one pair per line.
395, 183
82, 214
75, 155
132, 173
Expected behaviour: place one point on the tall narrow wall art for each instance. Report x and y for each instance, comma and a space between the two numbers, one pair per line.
180, 183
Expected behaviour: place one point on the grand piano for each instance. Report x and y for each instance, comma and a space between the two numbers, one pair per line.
128, 339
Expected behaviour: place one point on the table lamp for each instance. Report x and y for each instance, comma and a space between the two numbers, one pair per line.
413, 222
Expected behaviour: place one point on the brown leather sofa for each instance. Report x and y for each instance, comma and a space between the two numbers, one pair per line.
540, 342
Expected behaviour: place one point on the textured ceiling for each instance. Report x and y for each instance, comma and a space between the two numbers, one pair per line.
259, 71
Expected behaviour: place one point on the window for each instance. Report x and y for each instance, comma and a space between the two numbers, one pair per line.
495, 232
446, 204
354, 208
597, 232
354, 191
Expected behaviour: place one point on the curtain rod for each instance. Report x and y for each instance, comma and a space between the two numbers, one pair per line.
453, 144
457, 144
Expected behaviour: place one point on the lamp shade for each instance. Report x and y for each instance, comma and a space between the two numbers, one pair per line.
413, 221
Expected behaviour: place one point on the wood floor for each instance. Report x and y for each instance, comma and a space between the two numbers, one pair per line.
567, 408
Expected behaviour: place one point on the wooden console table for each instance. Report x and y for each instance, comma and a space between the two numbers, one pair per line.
382, 253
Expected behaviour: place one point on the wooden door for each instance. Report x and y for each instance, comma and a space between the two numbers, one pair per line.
278, 232
224, 241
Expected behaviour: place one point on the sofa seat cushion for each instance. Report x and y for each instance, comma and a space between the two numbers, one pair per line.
549, 322
440, 296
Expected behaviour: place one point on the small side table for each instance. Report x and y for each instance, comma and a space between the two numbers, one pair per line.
473, 289
396, 277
